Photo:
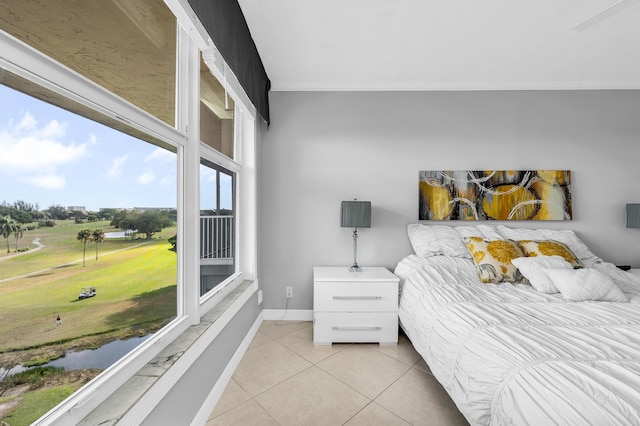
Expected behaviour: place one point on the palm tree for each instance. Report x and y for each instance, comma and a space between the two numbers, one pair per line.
7, 227
97, 236
18, 232
84, 235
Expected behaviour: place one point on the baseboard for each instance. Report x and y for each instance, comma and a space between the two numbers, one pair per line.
218, 389
287, 314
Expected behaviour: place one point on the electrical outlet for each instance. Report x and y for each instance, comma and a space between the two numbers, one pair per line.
289, 292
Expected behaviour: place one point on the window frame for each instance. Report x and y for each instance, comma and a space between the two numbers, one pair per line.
26, 62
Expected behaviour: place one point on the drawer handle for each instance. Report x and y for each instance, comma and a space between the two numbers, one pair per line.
357, 297
356, 328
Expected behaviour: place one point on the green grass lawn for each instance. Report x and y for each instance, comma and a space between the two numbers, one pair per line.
135, 283
61, 246
35, 404
134, 286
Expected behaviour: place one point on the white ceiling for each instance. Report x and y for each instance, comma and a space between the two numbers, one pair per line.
446, 44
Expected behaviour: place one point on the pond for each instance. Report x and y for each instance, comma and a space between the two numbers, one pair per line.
119, 234
100, 358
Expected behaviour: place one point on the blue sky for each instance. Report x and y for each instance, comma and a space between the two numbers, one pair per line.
51, 156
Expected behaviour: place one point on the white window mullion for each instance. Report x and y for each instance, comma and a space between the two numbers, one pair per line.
190, 239
247, 200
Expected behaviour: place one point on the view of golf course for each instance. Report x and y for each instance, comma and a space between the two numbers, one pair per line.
135, 283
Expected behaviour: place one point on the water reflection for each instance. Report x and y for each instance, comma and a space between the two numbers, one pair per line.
101, 358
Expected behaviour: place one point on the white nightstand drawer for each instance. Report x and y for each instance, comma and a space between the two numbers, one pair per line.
331, 327
355, 297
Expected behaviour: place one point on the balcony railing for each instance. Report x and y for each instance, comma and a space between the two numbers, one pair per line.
217, 239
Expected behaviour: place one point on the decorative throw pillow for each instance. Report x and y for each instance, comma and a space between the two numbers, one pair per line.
493, 259
586, 284
565, 236
532, 248
536, 269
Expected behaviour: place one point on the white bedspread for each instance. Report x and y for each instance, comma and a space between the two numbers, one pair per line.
508, 355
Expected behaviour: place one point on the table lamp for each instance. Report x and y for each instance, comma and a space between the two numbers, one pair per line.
355, 214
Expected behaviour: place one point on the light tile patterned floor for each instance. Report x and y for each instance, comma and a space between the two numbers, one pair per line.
283, 379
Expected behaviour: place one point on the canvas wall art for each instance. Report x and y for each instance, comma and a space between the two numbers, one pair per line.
495, 195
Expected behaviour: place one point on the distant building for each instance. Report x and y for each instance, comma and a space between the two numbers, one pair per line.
82, 209
153, 209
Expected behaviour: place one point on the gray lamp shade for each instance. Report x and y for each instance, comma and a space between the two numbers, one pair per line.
355, 214
633, 215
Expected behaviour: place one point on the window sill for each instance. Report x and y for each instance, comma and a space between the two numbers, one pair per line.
137, 397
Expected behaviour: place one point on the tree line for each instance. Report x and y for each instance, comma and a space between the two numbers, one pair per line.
25, 212
147, 223
21, 216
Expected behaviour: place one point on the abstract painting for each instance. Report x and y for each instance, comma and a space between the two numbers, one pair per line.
495, 195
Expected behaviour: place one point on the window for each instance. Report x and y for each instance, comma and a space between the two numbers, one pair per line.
144, 96
217, 183
217, 225
87, 222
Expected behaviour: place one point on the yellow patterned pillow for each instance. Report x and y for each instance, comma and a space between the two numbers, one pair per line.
493, 259
535, 248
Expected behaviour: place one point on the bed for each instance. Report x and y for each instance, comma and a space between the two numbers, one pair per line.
509, 354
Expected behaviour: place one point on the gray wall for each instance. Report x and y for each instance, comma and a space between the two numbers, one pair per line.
325, 147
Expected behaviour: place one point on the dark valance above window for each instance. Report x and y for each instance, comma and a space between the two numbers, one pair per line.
225, 23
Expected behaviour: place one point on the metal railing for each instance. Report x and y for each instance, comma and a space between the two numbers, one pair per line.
217, 238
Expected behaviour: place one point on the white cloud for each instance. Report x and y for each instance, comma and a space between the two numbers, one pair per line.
52, 130
117, 165
27, 123
33, 151
48, 181
161, 155
145, 178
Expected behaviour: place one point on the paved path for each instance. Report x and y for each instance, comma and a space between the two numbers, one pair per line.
40, 245
35, 241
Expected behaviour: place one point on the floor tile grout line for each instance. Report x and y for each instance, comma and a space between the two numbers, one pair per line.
264, 408
312, 363
395, 358
346, 384
357, 412
394, 382
267, 411
381, 392
288, 378
276, 384
235, 406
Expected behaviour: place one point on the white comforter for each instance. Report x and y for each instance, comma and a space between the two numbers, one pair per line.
508, 355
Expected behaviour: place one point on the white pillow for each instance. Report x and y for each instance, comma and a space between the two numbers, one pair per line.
436, 240
535, 270
585, 284
487, 232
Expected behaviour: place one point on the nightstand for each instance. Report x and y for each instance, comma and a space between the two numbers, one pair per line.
355, 306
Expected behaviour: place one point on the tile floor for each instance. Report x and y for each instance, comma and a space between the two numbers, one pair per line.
283, 379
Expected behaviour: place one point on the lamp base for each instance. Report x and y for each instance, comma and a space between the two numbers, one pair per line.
355, 267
